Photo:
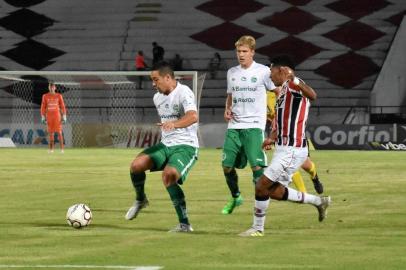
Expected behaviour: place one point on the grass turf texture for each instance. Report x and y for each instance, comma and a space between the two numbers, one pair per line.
365, 227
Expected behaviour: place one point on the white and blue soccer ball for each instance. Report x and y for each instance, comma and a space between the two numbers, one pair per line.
79, 215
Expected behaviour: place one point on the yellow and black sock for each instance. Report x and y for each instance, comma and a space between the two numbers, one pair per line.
298, 181
312, 171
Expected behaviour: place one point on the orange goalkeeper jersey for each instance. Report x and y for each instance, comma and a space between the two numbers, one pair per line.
52, 106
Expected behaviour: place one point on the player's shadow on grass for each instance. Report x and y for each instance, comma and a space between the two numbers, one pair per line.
195, 232
63, 226
36, 224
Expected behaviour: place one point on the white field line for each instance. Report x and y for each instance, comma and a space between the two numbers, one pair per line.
8, 266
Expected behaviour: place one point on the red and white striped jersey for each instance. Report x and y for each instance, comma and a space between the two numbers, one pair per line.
292, 110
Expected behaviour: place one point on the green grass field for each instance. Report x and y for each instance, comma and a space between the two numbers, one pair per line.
365, 227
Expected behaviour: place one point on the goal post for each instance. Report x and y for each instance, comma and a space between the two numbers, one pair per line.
105, 109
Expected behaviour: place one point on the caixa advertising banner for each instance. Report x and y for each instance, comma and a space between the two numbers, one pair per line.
358, 137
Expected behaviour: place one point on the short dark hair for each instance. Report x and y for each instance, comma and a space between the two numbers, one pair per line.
283, 61
164, 68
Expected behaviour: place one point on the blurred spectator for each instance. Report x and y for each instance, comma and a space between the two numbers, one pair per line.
157, 53
214, 65
140, 66
177, 63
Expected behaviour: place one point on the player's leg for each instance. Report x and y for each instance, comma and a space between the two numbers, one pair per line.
52, 125
233, 158
297, 180
51, 142
290, 163
181, 160
262, 200
252, 140
61, 141
262, 193
151, 158
310, 168
273, 184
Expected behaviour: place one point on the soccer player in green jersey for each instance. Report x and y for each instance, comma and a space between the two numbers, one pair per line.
245, 112
177, 152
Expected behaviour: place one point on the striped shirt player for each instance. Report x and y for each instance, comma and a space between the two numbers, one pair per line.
291, 113
292, 109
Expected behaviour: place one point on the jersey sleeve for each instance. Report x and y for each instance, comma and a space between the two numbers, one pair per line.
188, 101
61, 104
43, 105
268, 81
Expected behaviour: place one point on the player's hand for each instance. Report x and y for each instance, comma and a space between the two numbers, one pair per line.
43, 120
64, 119
267, 144
228, 115
167, 126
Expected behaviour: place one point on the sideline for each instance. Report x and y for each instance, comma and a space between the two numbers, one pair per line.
82, 266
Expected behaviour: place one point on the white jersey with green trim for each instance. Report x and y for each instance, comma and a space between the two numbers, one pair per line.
173, 107
248, 89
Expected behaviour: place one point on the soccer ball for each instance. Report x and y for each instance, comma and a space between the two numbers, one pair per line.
79, 215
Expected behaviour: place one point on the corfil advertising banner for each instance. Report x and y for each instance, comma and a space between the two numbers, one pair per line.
358, 137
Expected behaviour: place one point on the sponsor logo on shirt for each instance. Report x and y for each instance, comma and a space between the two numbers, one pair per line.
243, 89
254, 79
170, 116
243, 100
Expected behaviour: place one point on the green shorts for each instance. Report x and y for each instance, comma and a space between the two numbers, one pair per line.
242, 146
180, 157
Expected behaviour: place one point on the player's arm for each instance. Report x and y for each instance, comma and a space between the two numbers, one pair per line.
306, 90
268, 142
188, 119
63, 108
228, 114
43, 109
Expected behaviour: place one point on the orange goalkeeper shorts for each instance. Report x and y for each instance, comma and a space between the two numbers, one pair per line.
54, 124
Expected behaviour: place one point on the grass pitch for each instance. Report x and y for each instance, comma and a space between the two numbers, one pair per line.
365, 227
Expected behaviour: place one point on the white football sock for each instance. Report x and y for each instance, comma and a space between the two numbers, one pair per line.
300, 197
259, 214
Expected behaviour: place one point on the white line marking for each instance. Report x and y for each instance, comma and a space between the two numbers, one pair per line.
83, 266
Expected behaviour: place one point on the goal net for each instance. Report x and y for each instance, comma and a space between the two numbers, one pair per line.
104, 109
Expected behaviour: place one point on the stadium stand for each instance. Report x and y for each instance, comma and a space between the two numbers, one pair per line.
339, 50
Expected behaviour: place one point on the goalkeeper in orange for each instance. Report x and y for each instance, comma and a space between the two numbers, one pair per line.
308, 165
53, 113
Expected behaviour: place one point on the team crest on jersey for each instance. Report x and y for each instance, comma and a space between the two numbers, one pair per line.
243, 79
166, 106
254, 79
176, 107
234, 100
